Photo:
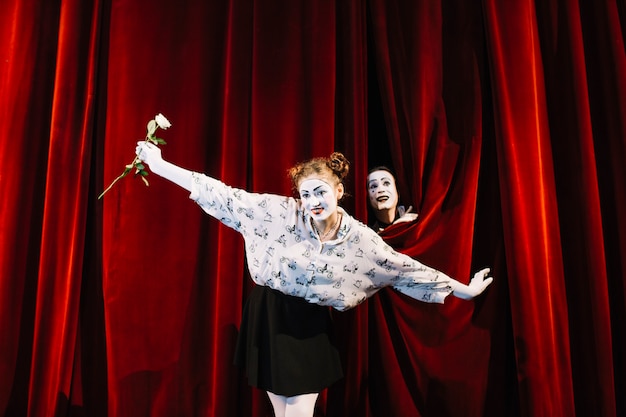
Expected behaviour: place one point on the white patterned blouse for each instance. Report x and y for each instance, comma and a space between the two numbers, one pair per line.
285, 253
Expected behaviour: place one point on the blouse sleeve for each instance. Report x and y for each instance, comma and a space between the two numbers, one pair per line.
234, 207
407, 275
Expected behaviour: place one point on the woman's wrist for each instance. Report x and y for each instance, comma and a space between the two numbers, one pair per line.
174, 173
460, 290
157, 166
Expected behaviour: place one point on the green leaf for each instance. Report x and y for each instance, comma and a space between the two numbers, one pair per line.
161, 141
139, 165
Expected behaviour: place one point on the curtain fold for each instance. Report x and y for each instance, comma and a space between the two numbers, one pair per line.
505, 122
423, 352
25, 91
65, 209
580, 214
529, 209
602, 28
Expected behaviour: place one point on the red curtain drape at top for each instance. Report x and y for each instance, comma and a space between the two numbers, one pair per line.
505, 121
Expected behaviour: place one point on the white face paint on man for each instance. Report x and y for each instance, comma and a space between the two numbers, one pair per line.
319, 198
381, 189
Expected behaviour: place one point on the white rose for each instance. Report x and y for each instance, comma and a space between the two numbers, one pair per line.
162, 121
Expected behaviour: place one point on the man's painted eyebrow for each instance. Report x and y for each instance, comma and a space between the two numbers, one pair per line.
379, 179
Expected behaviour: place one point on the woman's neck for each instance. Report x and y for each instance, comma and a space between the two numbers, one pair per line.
327, 229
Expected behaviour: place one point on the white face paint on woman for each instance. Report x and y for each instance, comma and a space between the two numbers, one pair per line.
382, 191
319, 198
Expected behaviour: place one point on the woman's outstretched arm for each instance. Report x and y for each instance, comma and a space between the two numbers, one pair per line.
151, 155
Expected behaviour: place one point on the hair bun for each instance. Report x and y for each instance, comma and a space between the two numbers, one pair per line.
339, 164
336, 165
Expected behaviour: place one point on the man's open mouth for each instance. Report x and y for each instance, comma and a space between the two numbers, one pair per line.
382, 198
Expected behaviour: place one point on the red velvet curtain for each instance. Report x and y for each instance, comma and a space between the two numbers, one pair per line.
504, 120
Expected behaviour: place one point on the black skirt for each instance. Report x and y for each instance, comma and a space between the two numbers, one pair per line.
286, 344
